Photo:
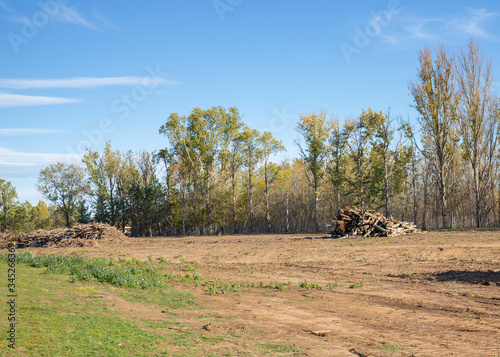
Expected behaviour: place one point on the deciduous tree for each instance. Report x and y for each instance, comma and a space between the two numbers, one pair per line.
337, 158
269, 146
103, 170
436, 100
8, 196
64, 185
314, 131
252, 153
478, 123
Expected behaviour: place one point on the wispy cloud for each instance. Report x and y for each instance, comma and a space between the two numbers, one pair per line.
27, 131
80, 82
471, 22
422, 28
390, 39
72, 16
104, 22
18, 100
6, 7
58, 13
11, 157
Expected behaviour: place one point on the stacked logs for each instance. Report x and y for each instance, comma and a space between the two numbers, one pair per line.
352, 222
81, 235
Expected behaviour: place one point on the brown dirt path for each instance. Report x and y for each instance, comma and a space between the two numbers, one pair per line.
432, 294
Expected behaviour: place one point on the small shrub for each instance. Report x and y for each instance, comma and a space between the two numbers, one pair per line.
356, 285
306, 284
332, 286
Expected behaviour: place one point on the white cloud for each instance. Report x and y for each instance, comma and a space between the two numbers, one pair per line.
15, 158
81, 82
18, 100
27, 131
7, 163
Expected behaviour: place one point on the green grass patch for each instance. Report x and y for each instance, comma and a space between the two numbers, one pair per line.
392, 348
64, 309
166, 298
124, 273
272, 347
54, 318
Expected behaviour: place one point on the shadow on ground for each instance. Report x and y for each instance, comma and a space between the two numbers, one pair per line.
473, 277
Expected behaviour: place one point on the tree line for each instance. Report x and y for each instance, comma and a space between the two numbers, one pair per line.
218, 175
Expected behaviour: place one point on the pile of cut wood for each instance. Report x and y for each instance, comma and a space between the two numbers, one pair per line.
83, 235
353, 222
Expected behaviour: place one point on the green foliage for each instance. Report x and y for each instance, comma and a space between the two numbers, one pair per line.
332, 286
131, 274
356, 285
278, 286
8, 196
314, 130
269, 146
64, 185
21, 217
337, 164
252, 154
279, 348
84, 215
362, 183
219, 176
55, 312
392, 348
308, 285
40, 216
436, 100
104, 171
201, 142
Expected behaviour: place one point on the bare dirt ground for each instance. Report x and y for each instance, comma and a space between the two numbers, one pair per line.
431, 294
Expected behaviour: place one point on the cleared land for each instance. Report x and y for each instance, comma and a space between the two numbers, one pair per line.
432, 294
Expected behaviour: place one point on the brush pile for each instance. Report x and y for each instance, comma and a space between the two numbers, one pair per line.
355, 222
83, 235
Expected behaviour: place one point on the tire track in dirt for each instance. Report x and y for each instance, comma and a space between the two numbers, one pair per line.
431, 295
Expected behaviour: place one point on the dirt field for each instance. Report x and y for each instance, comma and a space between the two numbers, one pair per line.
432, 294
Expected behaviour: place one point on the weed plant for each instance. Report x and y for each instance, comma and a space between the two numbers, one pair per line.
130, 274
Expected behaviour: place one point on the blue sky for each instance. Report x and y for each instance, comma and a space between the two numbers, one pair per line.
77, 73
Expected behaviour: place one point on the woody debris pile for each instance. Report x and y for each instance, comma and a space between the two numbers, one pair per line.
356, 222
83, 235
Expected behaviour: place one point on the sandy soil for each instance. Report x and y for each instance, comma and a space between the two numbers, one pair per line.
431, 294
